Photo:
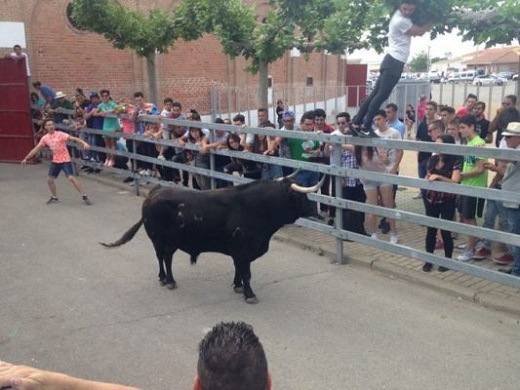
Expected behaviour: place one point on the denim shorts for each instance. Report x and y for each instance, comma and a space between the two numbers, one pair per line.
56, 168
374, 185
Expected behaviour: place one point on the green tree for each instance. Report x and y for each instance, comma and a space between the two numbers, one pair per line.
308, 25
419, 63
145, 35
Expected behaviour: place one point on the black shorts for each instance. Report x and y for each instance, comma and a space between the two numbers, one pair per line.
470, 207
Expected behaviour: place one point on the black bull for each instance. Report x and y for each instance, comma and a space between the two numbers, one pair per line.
236, 221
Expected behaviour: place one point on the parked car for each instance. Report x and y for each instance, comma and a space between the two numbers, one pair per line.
508, 75
515, 77
488, 79
434, 77
464, 76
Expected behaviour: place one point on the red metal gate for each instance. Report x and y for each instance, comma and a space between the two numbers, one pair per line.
16, 133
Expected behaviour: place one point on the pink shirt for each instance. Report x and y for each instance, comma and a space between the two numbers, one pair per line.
57, 143
128, 124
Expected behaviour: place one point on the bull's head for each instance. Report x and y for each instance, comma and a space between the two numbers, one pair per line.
298, 204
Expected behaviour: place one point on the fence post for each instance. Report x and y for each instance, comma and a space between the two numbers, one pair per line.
338, 190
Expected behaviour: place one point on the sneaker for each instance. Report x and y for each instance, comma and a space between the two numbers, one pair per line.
443, 268
52, 199
394, 238
506, 270
417, 196
482, 253
86, 200
467, 255
462, 247
128, 180
505, 259
374, 236
427, 267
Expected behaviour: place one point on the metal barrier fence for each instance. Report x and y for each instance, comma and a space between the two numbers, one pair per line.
338, 173
229, 101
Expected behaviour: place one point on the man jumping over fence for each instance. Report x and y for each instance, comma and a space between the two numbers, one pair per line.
400, 32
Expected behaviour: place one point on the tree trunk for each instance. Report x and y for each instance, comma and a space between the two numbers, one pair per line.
152, 79
263, 85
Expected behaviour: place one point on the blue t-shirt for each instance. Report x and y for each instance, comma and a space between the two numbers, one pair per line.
47, 92
399, 126
94, 122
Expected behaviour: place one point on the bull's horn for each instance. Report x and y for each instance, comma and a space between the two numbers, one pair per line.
288, 176
307, 190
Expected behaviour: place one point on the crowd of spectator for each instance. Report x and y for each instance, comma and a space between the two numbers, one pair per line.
432, 123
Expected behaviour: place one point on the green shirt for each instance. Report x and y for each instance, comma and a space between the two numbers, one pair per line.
109, 123
470, 163
298, 146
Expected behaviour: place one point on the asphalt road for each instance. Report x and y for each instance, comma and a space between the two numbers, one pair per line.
70, 305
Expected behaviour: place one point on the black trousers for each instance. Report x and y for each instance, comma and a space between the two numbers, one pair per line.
353, 220
389, 75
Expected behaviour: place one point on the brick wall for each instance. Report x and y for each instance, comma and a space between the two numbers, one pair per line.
66, 58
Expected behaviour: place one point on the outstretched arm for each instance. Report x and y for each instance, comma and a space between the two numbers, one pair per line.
32, 153
29, 378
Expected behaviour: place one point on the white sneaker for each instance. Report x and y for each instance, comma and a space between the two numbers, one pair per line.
467, 255
374, 236
394, 238
462, 247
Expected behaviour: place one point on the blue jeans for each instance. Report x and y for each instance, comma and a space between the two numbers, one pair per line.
493, 209
513, 218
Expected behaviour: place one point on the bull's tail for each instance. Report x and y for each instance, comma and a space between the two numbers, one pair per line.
130, 233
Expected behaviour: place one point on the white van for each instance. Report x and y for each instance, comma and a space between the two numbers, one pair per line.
465, 76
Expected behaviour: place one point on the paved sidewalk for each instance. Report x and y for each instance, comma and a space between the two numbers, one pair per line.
481, 291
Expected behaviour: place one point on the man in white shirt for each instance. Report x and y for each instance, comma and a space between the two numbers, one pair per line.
400, 32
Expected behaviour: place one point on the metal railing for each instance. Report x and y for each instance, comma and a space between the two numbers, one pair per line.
338, 173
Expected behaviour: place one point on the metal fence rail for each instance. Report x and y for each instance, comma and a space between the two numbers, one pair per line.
338, 172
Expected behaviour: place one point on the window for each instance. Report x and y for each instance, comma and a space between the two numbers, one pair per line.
309, 82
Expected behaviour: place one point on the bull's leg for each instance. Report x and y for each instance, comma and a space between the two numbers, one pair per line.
170, 281
243, 267
159, 252
164, 257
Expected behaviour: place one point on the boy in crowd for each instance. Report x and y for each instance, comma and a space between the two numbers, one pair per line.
473, 174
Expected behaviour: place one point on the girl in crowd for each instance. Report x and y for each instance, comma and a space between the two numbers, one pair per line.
200, 156
244, 167
445, 168
107, 109
372, 159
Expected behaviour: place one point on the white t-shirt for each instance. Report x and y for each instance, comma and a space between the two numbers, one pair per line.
14, 56
398, 41
390, 133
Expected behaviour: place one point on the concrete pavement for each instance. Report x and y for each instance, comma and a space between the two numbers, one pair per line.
70, 305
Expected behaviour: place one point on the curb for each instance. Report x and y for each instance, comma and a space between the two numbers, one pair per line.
488, 300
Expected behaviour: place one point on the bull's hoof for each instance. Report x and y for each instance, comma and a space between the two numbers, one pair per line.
238, 289
252, 300
171, 286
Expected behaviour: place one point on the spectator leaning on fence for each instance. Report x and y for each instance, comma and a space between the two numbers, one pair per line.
473, 174
511, 182
445, 168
